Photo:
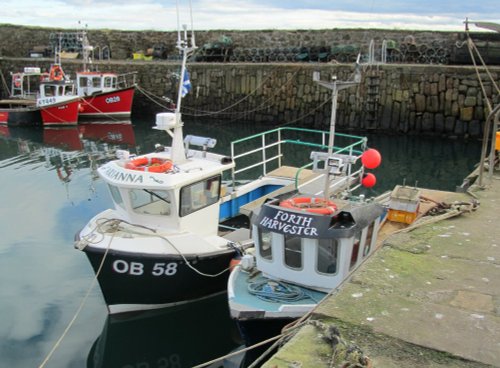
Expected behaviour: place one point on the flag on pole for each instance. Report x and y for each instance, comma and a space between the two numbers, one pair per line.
186, 83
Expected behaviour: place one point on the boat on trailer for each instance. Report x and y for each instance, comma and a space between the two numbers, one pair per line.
308, 241
38, 98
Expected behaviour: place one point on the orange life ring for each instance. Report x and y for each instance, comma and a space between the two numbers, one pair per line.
310, 204
17, 80
56, 73
154, 164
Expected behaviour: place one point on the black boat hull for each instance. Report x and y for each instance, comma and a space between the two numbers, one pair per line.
138, 281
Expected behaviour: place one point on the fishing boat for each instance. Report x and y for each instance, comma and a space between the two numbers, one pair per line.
307, 242
104, 94
54, 103
160, 245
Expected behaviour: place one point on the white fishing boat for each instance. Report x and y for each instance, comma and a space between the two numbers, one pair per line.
307, 242
161, 244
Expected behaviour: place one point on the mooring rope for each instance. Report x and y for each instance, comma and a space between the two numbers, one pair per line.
80, 307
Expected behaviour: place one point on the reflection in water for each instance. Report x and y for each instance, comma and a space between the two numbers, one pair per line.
175, 337
68, 149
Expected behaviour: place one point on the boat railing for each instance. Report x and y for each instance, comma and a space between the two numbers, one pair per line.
126, 80
266, 151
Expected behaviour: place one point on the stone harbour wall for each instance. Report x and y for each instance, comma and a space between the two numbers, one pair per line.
407, 99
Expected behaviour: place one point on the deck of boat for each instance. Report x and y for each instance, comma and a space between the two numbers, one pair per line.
243, 297
304, 176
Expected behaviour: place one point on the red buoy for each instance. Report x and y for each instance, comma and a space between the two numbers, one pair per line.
371, 158
369, 180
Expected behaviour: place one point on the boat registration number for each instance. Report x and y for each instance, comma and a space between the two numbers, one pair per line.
113, 99
138, 269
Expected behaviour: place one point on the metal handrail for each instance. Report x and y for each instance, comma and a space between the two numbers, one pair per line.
359, 142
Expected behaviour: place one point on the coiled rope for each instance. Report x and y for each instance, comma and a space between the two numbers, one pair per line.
276, 291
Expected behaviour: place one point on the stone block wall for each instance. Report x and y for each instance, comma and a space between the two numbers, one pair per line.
406, 99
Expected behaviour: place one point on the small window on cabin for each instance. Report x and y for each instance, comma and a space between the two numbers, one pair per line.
49, 91
96, 82
293, 252
108, 82
150, 202
265, 241
83, 82
369, 238
117, 197
69, 90
355, 249
327, 256
199, 195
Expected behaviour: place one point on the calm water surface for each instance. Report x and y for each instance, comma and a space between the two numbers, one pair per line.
50, 190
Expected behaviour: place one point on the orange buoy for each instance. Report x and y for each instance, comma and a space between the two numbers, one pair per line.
369, 180
154, 164
310, 204
371, 158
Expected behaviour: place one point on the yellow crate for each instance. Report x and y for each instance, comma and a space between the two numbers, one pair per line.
401, 216
147, 57
497, 142
138, 56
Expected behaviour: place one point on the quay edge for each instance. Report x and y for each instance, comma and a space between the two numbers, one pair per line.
427, 298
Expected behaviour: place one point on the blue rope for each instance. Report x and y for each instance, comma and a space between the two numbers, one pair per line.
276, 291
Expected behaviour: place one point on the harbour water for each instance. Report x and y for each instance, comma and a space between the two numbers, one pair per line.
50, 189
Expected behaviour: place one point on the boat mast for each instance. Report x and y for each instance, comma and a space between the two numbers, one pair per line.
335, 86
186, 47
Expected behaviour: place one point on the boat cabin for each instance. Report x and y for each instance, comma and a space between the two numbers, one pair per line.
180, 197
314, 250
52, 91
89, 83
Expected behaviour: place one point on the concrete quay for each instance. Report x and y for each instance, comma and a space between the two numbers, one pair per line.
427, 298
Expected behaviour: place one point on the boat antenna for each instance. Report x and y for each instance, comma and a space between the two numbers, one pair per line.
193, 42
186, 48
335, 86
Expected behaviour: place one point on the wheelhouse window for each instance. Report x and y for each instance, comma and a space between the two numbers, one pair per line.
49, 90
369, 238
84, 82
199, 195
265, 241
355, 250
96, 82
150, 202
117, 197
109, 82
293, 252
327, 256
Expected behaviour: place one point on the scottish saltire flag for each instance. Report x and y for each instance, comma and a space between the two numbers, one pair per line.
186, 83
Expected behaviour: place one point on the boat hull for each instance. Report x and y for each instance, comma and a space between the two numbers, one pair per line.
136, 281
61, 114
20, 116
109, 104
